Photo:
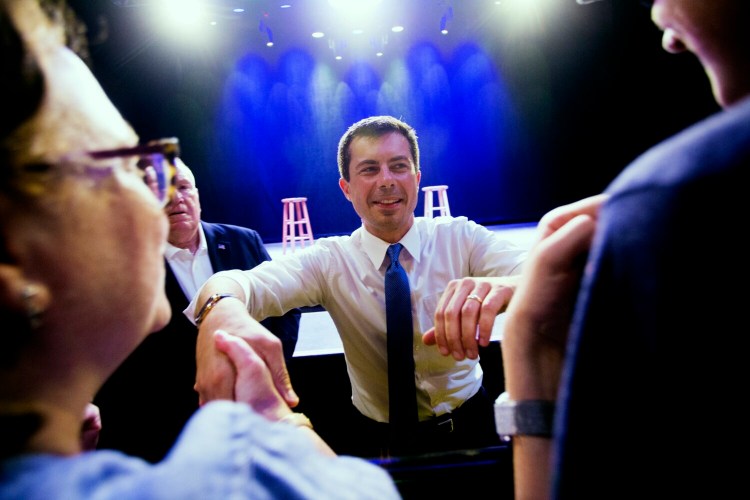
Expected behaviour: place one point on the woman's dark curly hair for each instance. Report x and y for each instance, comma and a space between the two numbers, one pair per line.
21, 81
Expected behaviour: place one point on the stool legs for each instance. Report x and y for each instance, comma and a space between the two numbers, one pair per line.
445, 209
428, 210
296, 223
305, 229
429, 205
288, 225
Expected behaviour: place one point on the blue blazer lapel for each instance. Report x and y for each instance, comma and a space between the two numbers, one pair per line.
219, 249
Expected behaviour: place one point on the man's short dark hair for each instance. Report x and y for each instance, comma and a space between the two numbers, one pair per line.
375, 126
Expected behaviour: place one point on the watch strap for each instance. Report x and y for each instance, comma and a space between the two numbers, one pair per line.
533, 417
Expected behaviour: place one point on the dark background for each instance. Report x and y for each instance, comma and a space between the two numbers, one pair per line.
516, 117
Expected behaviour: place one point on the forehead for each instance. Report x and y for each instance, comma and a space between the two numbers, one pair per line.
184, 173
392, 145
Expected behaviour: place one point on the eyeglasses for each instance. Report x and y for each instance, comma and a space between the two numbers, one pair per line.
154, 161
645, 3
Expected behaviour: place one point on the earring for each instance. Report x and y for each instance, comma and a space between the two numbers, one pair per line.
33, 305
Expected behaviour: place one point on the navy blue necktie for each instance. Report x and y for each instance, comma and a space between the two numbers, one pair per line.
402, 393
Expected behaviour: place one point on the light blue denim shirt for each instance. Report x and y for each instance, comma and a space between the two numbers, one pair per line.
225, 452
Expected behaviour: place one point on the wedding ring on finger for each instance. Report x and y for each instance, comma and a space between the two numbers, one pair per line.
474, 296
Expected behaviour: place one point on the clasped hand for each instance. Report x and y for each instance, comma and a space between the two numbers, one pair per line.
256, 374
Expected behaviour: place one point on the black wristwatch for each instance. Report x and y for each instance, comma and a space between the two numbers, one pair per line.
532, 417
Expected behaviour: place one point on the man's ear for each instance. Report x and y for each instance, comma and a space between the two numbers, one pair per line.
344, 188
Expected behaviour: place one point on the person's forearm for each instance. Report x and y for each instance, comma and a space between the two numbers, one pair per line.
532, 372
219, 284
537, 325
215, 376
531, 455
321, 445
530, 375
532, 475
301, 422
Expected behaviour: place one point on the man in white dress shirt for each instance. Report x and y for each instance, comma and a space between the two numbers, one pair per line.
379, 168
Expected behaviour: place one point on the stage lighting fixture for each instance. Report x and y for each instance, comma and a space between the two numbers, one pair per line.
445, 20
264, 28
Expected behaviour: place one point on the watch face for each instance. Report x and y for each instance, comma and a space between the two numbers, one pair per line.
505, 422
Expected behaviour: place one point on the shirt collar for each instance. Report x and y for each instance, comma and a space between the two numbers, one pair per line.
375, 248
172, 250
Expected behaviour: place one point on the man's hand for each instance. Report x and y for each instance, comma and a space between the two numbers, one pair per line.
466, 314
253, 383
216, 375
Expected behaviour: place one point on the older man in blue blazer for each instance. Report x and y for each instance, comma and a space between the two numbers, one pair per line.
147, 401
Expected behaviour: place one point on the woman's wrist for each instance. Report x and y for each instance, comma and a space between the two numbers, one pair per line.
532, 370
296, 419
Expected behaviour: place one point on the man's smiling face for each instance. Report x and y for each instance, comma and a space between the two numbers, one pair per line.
383, 185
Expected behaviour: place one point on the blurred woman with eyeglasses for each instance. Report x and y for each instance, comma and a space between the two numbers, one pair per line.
82, 283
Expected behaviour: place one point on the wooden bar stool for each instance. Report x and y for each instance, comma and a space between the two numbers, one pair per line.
296, 225
442, 206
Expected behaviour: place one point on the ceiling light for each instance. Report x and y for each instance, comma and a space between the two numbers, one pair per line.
447, 16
